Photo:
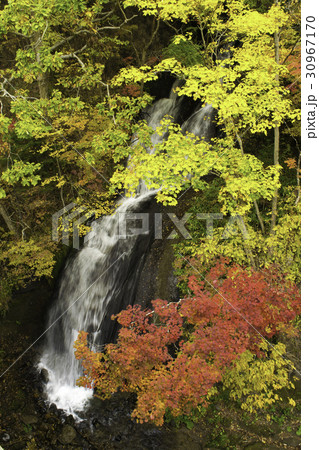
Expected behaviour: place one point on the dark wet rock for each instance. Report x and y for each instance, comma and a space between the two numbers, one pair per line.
69, 420
67, 435
83, 426
50, 418
43, 426
53, 409
17, 404
40, 390
29, 419
56, 413
53, 440
42, 409
153, 432
96, 422
44, 375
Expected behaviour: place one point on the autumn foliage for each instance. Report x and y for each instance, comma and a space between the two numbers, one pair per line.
173, 356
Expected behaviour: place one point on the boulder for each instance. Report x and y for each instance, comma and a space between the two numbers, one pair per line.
67, 435
28, 419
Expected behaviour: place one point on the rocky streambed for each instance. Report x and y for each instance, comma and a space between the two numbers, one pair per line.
27, 422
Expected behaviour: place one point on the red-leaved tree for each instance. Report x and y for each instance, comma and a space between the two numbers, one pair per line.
172, 356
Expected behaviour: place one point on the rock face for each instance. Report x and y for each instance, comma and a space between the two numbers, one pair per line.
44, 375
157, 279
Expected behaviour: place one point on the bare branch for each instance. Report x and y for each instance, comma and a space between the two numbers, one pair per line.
7, 219
75, 56
291, 51
153, 35
104, 16
40, 38
259, 216
171, 26
111, 27
108, 97
64, 41
86, 31
20, 34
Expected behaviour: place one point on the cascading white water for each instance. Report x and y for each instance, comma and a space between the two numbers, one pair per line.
88, 284
103, 273
200, 122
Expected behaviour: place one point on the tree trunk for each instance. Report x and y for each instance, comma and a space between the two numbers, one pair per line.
42, 77
7, 220
259, 216
276, 148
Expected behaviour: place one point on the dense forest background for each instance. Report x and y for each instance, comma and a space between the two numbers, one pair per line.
75, 77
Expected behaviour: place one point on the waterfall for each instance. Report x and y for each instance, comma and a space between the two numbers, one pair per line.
200, 122
102, 279
105, 269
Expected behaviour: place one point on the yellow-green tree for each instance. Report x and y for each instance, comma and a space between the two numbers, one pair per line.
54, 105
235, 67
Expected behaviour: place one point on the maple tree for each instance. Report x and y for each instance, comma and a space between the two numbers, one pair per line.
172, 357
